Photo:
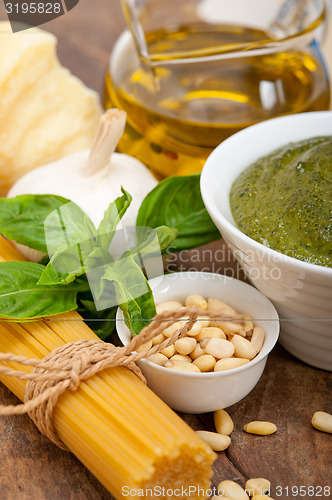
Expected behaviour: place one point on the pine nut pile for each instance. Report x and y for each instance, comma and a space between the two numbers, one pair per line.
211, 345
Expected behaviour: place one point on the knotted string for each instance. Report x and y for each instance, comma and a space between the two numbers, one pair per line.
65, 367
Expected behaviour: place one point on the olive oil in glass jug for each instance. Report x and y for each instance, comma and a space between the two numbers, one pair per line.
189, 74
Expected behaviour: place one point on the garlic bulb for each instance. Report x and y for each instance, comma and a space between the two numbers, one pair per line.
92, 179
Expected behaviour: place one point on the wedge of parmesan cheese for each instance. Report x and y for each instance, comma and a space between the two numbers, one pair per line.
45, 112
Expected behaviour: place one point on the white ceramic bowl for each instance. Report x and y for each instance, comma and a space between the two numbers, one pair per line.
204, 392
301, 292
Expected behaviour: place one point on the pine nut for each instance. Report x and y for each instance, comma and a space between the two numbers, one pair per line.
230, 327
180, 358
223, 422
182, 367
186, 345
169, 364
257, 339
219, 305
230, 363
232, 490
243, 348
145, 347
218, 442
216, 497
197, 352
178, 325
158, 339
204, 321
157, 359
204, 342
261, 497
168, 351
322, 421
205, 363
195, 330
218, 348
171, 305
211, 332
197, 301
261, 428
258, 486
248, 325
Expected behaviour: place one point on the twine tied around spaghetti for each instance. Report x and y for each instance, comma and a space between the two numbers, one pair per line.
67, 366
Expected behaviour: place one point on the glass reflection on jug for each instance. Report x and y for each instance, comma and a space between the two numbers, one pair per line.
191, 73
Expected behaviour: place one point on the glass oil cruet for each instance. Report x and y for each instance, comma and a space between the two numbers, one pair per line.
191, 73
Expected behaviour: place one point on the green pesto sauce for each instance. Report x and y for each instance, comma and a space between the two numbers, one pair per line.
284, 200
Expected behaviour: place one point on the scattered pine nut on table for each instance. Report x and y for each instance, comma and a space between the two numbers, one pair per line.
218, 442
258, 486
261, 497
322, 421
232, 490
223, 422
260, 428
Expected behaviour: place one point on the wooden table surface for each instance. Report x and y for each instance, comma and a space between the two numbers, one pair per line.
289, 392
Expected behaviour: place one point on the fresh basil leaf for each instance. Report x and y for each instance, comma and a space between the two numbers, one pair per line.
26, 218
52, 277
177, 202
166, 236
139, 312
133, 293
68, 226
69, 263
97, 257
146, 240
22, 218
22, 299
111, 219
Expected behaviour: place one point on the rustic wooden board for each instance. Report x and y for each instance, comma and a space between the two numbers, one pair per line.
32, 468
288, 394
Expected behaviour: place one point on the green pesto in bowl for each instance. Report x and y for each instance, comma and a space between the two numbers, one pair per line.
284, 200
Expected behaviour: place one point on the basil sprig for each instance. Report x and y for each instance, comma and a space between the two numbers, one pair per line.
21, 297
177, 202
29, 291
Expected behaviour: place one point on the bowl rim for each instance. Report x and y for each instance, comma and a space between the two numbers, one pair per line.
212, 208
212, 375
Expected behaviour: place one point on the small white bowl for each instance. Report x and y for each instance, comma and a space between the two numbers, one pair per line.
301, 292
204, 392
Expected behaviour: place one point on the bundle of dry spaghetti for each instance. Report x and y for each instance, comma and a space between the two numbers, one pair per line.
119, 429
